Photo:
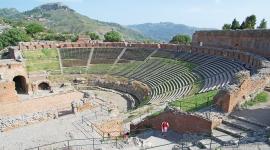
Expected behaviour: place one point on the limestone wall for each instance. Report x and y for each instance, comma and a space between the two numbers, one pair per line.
255, 41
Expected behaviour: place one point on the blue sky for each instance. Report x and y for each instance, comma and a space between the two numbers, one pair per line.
200, 13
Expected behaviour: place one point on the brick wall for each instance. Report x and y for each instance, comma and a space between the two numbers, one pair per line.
179, 122
7, 92
255, 41
8, 70
228, 98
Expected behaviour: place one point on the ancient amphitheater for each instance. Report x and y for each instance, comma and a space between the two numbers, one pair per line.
88, 94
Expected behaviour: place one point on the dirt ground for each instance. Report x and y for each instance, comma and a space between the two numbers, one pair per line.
112, 99
112, 128
258, 113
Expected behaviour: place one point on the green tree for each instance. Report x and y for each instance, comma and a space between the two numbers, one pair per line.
226, 27
17, 35
263, 24
235, 25
13, 36
93, 35
181, 39
249, 23
1, 45
113, 36
34, 28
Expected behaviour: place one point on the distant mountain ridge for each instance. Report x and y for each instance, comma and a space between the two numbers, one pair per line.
164, 31
61, 18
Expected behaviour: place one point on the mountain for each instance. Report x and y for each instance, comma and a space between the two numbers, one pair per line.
10, 13
164, 31
61, 18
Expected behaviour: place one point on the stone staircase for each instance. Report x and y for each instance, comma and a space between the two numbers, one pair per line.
234, 132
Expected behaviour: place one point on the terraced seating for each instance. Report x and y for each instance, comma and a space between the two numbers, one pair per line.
105, 55
164, 54
170, 75
74, 57
136, 54
217, 73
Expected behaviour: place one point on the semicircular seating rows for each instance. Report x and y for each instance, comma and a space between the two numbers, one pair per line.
170, 75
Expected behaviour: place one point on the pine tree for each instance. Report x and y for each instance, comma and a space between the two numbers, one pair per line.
263, 24
235, 25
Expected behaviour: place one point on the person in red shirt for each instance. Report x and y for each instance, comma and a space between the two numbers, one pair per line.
164, 127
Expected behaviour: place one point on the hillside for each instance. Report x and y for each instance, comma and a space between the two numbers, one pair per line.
60, 18
163, 31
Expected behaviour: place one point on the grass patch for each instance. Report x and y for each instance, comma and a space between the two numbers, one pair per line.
41, 60
41, 54
195, 102
260, 98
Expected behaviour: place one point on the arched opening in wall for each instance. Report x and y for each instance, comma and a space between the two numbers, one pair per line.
44, 86
20, 84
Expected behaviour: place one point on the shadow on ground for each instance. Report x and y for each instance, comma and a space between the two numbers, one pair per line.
260, 115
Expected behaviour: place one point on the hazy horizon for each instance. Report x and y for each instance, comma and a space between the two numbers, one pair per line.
204, 14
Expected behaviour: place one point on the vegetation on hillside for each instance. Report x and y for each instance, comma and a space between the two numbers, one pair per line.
59, 18
248, 23
195, 102
24, 31
34, 28
12, 37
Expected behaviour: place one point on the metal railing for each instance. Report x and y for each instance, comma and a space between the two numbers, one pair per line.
90, 143
194, 106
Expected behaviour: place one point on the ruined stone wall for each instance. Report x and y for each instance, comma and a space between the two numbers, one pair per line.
180, 122
8, 70
11, 68
36, 83
255, 41
244, 89
7, 92
135, 88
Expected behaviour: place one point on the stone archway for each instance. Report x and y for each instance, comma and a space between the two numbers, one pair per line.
20, 84
44, 86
